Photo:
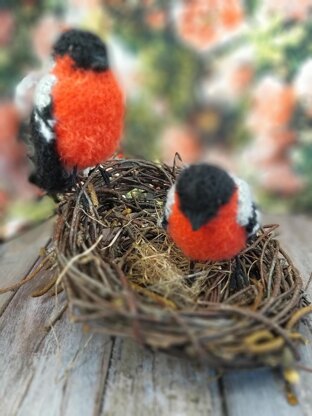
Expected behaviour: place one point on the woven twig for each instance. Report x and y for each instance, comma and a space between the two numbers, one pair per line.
124, 276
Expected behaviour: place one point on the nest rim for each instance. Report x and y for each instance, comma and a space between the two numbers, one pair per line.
229, 332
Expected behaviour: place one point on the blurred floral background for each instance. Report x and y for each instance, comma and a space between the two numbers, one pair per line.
226, 81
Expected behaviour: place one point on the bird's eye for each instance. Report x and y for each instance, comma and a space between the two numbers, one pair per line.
70, 48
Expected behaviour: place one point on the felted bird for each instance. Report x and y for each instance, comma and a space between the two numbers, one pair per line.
78, 112
209, 213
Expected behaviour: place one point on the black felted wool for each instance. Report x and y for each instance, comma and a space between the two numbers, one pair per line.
202, 190
49, 173
85, 48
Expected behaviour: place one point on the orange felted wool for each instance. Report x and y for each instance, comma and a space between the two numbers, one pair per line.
220, 239
88, 108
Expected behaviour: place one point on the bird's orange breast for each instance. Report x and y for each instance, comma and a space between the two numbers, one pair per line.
88, 107
220, 239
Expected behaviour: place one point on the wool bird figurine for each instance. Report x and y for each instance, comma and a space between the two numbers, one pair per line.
78, 112
209, 213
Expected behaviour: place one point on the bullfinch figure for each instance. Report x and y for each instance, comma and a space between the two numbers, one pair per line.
77, 118
209, 213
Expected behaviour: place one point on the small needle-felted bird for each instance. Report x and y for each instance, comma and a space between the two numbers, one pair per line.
78, 112
209, 213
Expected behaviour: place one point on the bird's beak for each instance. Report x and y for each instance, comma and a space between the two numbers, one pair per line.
99, 63
197, 221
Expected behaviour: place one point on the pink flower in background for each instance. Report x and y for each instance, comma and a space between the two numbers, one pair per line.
272, 110
280, 179
220, 157
156, 19
257, 157
241, 77
288, 9
283, 139
275, 142
148, 2
273, 105
232, 76
231, 13
85, 3
4, 201
10, 150
7, 23
202, 23
179, 139
44, 35
13, 164
268, 148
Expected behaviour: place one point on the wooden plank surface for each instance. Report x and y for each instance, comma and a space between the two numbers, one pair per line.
61, 370
296, 236
260, 392
18, 256
141, 383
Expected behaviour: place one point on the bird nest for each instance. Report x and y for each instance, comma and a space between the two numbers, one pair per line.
123, 275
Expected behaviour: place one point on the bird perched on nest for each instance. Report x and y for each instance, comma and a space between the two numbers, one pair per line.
209, 213
77, 118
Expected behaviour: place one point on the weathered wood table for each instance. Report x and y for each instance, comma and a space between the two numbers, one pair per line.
52, 367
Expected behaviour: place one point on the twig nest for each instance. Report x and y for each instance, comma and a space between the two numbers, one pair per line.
124, 276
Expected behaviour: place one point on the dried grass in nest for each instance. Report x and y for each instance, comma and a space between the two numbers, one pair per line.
124, 276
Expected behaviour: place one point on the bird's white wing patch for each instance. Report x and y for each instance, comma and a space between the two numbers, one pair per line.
169, 202
45, 127
245, 201
163, 222
24, 93
43, 91
43, 101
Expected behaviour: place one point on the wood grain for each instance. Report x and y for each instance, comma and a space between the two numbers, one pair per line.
296, 237
18, 256
260, 392
141, 383
67, 373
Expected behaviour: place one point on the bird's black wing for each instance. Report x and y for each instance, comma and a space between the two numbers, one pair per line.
253, 221
49, 173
